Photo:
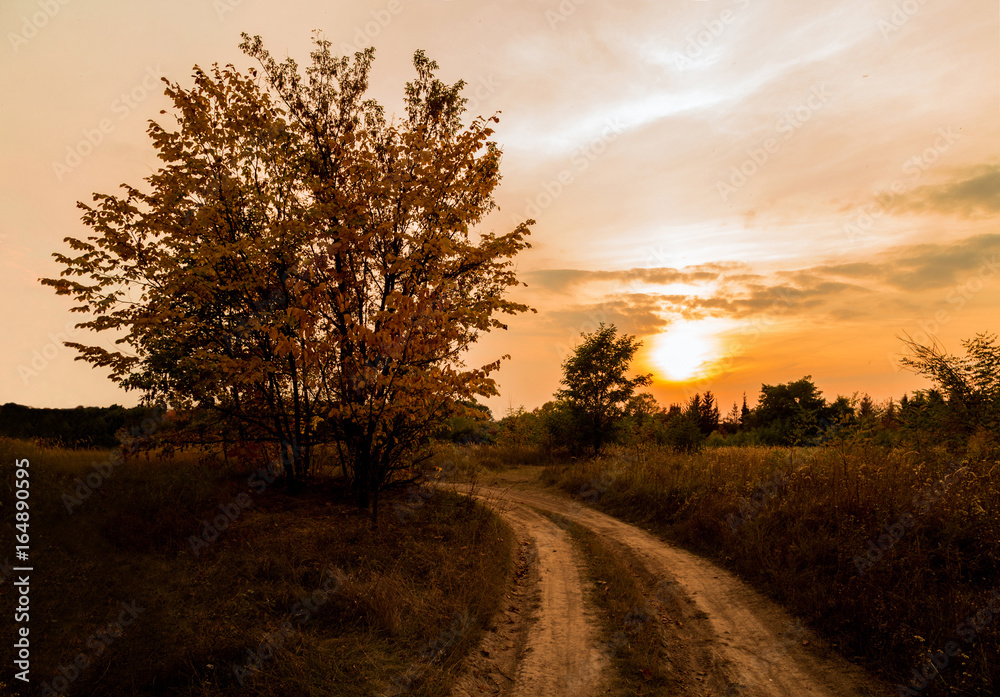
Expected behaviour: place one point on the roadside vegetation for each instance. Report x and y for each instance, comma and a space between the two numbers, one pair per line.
877, 523
224, 584
885, 552
291, 295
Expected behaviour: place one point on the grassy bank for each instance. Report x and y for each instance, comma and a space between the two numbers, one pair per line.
178, 577
893, 556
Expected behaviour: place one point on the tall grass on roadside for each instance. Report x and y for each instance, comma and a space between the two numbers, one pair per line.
243, 613
503, 457
888, 553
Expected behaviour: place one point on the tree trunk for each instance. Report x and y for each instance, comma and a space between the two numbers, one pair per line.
291, 460
360, 486
286, 463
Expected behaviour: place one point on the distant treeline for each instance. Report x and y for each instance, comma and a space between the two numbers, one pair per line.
790, 414
82, 427
964, 404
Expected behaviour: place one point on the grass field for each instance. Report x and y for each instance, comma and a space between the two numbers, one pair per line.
893, 555
180, 577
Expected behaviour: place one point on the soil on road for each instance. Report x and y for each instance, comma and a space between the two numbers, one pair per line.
723, 637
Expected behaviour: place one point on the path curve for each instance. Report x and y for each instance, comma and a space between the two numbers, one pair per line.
553, 641
755, 647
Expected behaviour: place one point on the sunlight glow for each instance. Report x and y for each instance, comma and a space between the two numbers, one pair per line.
685, 350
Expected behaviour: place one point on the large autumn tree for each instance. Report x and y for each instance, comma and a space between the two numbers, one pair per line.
303, 269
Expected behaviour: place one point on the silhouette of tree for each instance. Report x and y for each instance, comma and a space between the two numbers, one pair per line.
302, 270
597, 385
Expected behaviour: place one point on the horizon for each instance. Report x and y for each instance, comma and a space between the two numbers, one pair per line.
759, 191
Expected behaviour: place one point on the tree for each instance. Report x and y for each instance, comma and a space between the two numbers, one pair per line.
597, 386
969, 384
790, 413
866, 408
641, 426
840, 411
731, 422
681, 426
642, 407
708, 414
558, 427
470, 422
303, 269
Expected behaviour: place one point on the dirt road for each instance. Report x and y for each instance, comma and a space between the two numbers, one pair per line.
723, 638
546, 639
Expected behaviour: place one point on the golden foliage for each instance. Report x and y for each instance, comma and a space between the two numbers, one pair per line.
301, 268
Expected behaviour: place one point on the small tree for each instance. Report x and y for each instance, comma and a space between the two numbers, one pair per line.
731, 423
791, 413
708, 414
970, 384
640, 425
597, 385
681, 427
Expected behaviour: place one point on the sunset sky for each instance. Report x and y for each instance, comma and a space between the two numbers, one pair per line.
759, 189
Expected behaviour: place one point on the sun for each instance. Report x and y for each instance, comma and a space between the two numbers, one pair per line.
684, 351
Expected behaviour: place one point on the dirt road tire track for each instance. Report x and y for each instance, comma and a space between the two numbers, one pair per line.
545, 642
749, 644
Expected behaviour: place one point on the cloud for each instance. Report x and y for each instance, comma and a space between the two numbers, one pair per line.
632, 314
896, 281
566, 280
916, 268
975, 195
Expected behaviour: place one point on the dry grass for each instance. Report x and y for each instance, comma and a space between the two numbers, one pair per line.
403, 603
495, 458
798, 525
